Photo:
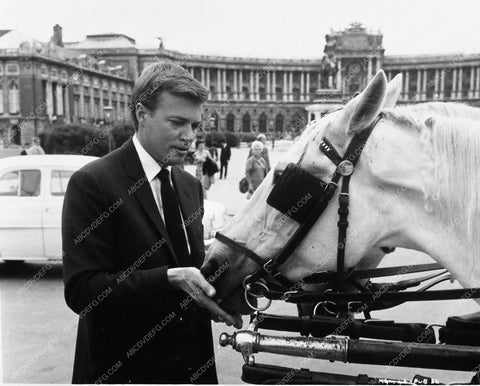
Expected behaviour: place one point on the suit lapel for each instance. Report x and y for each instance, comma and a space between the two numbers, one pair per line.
143, 193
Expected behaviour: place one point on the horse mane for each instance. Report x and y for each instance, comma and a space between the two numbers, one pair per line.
450, 137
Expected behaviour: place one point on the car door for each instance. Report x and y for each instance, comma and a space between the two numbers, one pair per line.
56, 186
21, 235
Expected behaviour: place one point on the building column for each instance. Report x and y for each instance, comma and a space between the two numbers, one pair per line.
290, 86
377, 65
285, 87
339, 75
477, 84
302, 86
419, 80
424, 85
257, 87
319, 80
472, 84
252, 86
407, 85
269, 90
369, 69
59, 96
219, 85
235, 85
67, 104
81, 102
208, 79
308, 86
274, 86
202, 76
442, 85
92, 102
100, 90
240, 85
119, 112
460, 83
224, 85
435, 91
454, 84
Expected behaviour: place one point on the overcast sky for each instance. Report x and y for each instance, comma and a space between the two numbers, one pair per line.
254, 28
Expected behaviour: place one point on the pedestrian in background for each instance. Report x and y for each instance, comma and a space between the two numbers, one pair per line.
213, 152
199, 158
263, 139
256, 168
35, 148
225, 154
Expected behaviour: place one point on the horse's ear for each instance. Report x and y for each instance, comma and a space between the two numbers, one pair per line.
394, 88
360, 112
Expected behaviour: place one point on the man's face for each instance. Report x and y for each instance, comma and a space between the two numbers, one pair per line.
167, 132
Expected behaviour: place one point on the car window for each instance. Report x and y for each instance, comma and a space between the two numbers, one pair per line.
59, 181
9, 184
24, 183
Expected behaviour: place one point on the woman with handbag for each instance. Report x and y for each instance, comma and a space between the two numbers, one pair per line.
256, 168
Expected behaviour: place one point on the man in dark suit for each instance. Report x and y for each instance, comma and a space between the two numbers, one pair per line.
225, 155
144, 305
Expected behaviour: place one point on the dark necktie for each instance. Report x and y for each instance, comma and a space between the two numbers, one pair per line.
173, 219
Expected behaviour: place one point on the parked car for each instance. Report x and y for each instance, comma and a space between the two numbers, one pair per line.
32, 189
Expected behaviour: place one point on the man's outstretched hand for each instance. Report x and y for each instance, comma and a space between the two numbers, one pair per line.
191, 281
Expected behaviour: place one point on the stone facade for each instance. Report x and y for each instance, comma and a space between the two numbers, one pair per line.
250, 95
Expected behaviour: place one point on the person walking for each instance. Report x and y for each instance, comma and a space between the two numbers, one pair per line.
200, 158
131, 259
225, 155
263, 139
256, 168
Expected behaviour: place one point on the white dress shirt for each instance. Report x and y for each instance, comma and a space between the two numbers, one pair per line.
151, 169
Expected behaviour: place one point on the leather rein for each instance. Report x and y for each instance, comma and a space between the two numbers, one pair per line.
268, 282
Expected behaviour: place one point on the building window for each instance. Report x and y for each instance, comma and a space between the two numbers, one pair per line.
13, 99
279, 123
262, 123
279, 93
263, 93
246, 123
231, 122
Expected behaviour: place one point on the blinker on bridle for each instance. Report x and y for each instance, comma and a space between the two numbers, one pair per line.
295, 178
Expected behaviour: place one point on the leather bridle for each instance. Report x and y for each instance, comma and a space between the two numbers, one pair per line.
270, 270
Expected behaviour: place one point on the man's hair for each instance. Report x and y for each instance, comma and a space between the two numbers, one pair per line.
160, 77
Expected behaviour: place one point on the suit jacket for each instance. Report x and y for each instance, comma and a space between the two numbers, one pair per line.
133, 327
225, 154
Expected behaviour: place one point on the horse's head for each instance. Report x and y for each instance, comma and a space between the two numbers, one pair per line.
266, 230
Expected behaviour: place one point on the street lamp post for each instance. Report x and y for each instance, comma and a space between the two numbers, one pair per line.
107, 114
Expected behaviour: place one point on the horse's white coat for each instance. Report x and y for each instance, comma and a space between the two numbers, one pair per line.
388, 192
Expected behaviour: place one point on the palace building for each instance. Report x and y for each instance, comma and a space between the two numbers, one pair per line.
42, 84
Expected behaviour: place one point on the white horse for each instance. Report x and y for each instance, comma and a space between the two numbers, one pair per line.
415, 186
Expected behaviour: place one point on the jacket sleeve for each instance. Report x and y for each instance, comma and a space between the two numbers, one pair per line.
89, 253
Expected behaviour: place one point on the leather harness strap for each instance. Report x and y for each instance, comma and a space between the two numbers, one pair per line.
282, 286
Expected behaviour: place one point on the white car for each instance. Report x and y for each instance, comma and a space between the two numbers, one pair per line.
32, 189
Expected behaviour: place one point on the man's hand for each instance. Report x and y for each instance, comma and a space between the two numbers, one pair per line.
191, 281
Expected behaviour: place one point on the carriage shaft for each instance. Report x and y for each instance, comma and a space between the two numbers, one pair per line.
392, 353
